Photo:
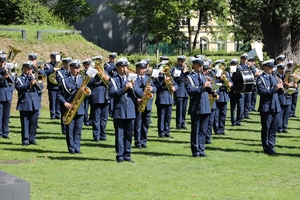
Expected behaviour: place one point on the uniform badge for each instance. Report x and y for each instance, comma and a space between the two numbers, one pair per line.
259, 81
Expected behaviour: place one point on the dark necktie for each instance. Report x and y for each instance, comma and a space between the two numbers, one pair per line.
142, 81
75, 80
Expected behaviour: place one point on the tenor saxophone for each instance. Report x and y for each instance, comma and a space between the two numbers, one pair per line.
141, 105
82, 92
52, 77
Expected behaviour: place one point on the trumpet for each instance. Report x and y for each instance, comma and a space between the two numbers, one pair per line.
32, 75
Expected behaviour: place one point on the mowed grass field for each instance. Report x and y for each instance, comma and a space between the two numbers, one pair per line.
235, 167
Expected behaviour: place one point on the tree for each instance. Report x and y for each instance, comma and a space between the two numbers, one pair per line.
159, 19
276, 23
72, 11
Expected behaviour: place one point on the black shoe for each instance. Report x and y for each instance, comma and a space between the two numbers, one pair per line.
202, 155
223, 133
285, 131
57, 117
103, 139
279, 131
52, 118
79, 152
161, 136
71, 152
5, 136
33, 143
144, 146
169, 136
25, 144
96, 140
253, 110
178, 127
184, 127
87, 123
238, 124
207, 142
38, 127
119, 160
247, 117
138, 146
129, 160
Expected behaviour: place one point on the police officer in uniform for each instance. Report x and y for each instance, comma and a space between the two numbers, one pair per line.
110, 68
199, 108
142, 120
5, 98
67, 92
294, 96
99, 101
28, 103
164, 102
180, 95
123, 92
256, 72
86, 64
284, 100
269, 106
236, 98
52, 88
61, 74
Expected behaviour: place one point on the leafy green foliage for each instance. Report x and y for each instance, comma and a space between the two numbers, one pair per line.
26, 12
72, 10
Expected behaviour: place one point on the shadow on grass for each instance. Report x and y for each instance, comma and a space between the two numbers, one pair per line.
242, 129
286, 135
147, 153
216, 137
100, 144
44, 137
6, 143
75, 157
168, 140
27, 149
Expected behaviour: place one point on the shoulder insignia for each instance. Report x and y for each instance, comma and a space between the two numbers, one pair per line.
259, 81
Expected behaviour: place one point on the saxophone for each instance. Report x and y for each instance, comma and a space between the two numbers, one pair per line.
291, 77
77, 100
101, 73
141, 105
165, 69
212, 95
224, 77
52, 77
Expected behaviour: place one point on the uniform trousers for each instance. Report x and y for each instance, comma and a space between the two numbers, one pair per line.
99, 116
4, 117
284, 117
294, 104
53, 103
164, 114
269, 124
198, 132
247, 104
236, 105
141, 127
73, 134
29, 124
123, 138
181, 106
253, 98
220, 117
211, 125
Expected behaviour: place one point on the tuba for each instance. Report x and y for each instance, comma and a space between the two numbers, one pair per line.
52, 77
165, 69
80, 95
101, 73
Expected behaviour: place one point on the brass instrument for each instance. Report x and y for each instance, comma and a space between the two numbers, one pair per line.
12, 53
165, 69
291, 77
52, 77
101, 73
77, 100
141, 105
223, 67
212, 95
32, 75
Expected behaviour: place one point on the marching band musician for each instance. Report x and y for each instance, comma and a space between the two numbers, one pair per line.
294, 96
284, 100
180, 95
67, 91
110, 68
269, 106
123, 91
5, 98
142, 120
86, 64
28, 103
62, 73
99, 101
164, 102
32, 57
256, 72
199, 107
247, 96
209, 76
236, 98
221, 103
52, 88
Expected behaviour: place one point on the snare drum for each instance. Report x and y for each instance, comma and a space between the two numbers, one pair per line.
243, 81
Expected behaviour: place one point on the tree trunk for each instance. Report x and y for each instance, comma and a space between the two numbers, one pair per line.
199, 25
190, 36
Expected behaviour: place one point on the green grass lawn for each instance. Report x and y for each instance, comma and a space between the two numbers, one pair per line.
235, 167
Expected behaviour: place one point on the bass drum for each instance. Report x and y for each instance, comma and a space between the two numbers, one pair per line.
243, 81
